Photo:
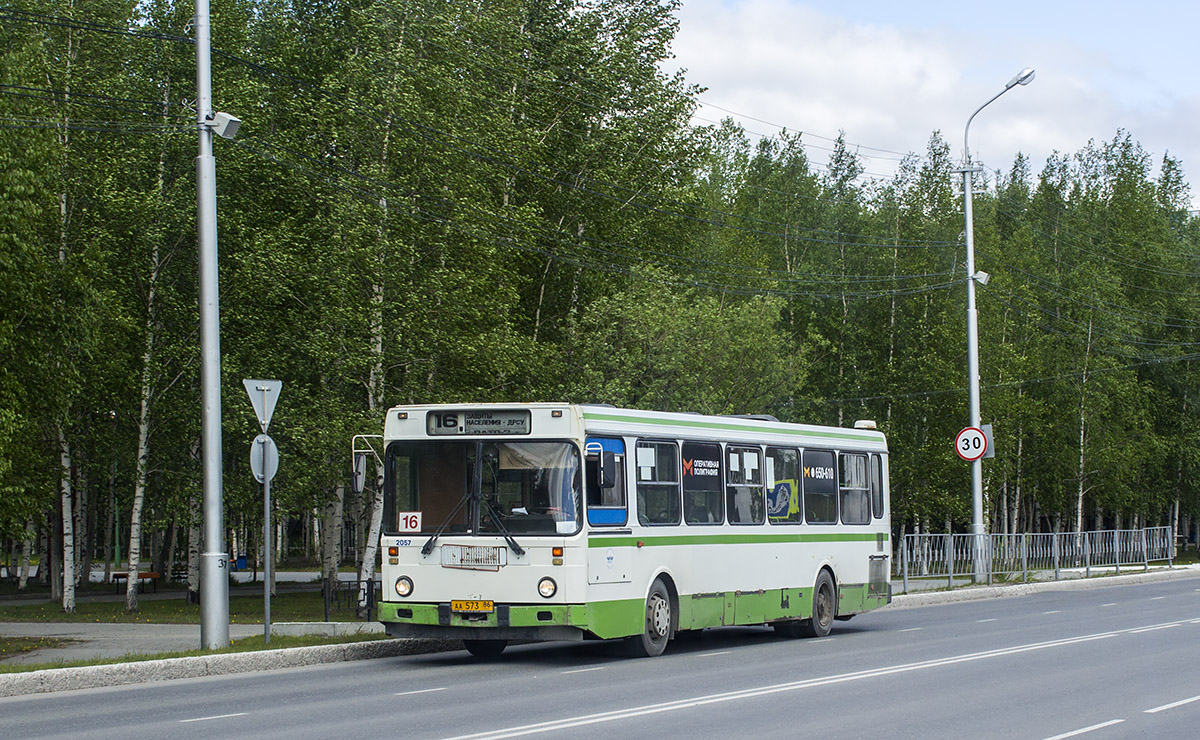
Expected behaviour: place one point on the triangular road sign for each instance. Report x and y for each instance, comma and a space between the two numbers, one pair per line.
263, 395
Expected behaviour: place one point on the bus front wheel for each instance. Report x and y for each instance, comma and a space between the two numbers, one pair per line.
485, 649
656, 631
824, 606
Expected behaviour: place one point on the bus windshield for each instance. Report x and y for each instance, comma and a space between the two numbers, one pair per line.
483, 487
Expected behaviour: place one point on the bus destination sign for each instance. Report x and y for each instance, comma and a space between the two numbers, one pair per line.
478, 422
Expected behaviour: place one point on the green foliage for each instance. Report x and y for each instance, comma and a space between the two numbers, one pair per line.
679, 349
508, 201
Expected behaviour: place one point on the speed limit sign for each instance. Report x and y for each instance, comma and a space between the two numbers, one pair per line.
971, 444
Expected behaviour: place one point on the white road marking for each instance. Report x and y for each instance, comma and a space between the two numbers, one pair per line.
585, 670
420, 691
1153, 629
218, 716
1112, 604
913, 629
1157, 598
672, 706
1053, 611
1172, 705
719, 652
981, 621
1082, 730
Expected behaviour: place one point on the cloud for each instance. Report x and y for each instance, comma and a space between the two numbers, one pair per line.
890, 84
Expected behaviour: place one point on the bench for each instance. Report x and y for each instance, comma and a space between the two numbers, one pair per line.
143, 576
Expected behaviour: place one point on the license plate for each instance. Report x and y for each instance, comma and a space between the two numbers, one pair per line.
472, 607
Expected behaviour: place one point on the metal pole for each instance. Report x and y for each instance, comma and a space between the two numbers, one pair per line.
949, 560
977, 526
267, 552
214, 561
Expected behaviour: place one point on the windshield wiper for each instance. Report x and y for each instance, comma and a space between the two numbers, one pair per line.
428, 546
512, 542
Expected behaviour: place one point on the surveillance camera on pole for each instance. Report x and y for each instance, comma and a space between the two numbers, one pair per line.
225, 125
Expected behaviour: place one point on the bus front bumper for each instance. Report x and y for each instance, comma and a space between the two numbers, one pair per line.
504, 622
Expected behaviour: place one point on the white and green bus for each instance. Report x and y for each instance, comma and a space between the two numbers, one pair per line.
566, 522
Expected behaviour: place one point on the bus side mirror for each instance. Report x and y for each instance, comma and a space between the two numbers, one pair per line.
608, 470
360, 472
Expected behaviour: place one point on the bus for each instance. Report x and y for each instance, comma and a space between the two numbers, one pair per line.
546, 521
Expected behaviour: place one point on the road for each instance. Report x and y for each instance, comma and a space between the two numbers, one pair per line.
1100, 663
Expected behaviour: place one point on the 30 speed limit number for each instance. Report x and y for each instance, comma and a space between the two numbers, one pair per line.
970, 444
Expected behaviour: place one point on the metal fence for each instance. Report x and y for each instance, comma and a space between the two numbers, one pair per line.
960, 559
345, 595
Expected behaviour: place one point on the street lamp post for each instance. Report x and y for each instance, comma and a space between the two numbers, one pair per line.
1024, 77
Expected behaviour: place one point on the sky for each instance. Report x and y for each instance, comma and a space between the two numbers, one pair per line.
889, 74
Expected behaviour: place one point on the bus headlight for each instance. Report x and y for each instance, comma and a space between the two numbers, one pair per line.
404, 586
547, 587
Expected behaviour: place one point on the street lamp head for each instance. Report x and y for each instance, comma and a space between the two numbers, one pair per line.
1024, 77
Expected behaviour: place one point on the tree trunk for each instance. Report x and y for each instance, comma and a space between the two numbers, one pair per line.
87, 528
195, 517
26, 547
110, 536
47, 554
54, 547
168, 551
1083, 432
1016, 502
331, 534
375, 400
139, 483
68, 524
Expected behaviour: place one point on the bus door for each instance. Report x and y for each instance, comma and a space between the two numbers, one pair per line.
609, 554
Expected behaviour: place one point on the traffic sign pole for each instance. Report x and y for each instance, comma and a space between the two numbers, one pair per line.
266, 479
264, 461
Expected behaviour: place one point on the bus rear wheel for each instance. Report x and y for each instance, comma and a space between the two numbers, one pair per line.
656, 631
824, 607
485, 649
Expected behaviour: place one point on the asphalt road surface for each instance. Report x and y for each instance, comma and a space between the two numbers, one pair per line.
1101, 663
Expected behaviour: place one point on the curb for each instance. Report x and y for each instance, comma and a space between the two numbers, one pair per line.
977, 593
168, 669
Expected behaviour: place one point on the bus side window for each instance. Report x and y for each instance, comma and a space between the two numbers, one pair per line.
658, 499
783, 486
877, 486
744, 490
702, 499
604, 473
856, 501
820, 487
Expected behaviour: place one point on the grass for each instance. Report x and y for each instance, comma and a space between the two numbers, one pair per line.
1187, 556
244, 645
11, 647
247, 608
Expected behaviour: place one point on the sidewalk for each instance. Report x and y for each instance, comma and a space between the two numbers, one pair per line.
90, 641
